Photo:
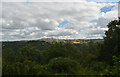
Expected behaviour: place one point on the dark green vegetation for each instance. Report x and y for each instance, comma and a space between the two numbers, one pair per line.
64, 57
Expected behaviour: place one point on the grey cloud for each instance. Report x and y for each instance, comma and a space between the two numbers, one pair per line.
37, 20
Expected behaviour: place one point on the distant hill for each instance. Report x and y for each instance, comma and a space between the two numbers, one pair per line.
42, 44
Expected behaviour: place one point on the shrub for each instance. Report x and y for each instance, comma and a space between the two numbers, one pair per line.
63, 65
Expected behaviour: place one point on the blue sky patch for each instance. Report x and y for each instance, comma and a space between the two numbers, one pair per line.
92, 21
61, 25
104, 0
107, 9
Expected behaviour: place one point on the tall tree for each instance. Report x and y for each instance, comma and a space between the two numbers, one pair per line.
111, 41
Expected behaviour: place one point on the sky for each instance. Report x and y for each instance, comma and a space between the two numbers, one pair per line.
104, 0
27, 20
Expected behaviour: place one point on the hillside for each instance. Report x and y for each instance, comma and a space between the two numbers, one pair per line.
42, 44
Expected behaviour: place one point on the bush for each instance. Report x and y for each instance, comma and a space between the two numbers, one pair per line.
61, 50
40, 70
116, 66
28, 53
63, 65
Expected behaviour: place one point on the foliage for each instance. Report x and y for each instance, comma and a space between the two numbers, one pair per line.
116, 66
63, 65
111, 41
40, 70
61, 50
28, 53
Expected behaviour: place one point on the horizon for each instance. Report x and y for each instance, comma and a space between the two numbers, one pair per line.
46, 38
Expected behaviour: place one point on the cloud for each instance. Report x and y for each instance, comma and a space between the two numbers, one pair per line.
42, 20
107, 17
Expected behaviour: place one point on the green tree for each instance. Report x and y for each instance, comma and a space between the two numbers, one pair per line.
111, 41
116, 65
39, 69
63, 65
9, 55
28, 65
17, 68
61, 50
28, 53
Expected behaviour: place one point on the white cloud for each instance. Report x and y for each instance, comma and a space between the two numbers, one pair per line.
41, 20
107, 17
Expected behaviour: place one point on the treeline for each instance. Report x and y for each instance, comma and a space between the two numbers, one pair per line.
67, 59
